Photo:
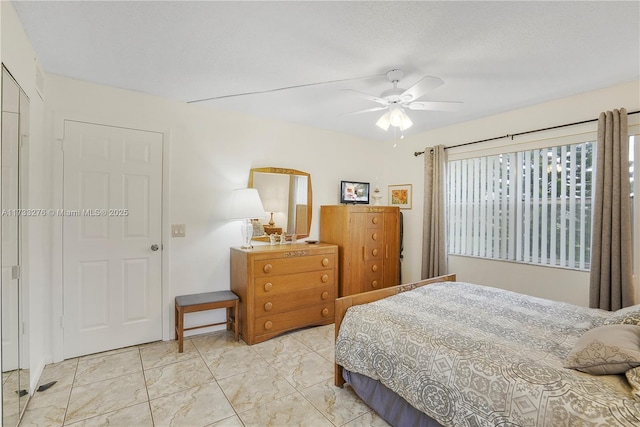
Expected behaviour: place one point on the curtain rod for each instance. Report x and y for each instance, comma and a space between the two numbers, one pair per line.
511, 135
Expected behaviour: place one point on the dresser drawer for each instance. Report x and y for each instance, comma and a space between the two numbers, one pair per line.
293, 282
373, 278
294, 319
375, 220
273, 304
373, 252
282, 266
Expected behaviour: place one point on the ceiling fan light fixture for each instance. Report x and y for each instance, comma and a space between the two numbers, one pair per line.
384, 121
406, 122
399, 118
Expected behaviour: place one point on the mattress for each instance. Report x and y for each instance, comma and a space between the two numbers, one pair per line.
465, 354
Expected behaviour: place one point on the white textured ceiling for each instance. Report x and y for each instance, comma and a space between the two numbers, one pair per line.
492, 56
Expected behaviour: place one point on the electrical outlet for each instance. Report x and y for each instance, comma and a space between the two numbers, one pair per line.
178, 230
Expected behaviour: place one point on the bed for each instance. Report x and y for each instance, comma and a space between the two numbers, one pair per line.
446, 353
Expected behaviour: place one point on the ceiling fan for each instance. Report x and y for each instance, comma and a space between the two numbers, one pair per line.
396, 99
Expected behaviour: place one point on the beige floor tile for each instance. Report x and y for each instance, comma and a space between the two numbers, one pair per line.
317, 337
63, 373
328, 353
47, 408
176, 377
248, 390
219, 339
229, 361
293, 410
281, 348
165, 353
305, 370
110, 352
104, 367
198, 406
137, 415
370, 419
228, 422
106, 396
339, 405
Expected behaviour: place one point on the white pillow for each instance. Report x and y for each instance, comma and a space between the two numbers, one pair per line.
609, 349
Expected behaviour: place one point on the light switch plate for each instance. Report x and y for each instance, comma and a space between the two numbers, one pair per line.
178, 230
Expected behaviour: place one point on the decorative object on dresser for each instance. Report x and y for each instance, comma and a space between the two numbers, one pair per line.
246, 205
284, 287
369, 242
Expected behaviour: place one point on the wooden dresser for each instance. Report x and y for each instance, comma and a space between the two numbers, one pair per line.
369, 242
284, 287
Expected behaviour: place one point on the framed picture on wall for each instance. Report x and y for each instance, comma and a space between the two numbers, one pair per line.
400, 195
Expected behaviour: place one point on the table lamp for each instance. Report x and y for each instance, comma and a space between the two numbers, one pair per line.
245, 205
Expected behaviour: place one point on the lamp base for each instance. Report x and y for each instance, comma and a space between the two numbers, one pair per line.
247, 233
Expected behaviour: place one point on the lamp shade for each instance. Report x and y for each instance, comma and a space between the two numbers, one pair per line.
384, 122
245, 204
395, 117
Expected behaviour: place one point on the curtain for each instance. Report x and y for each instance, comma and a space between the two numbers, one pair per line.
611, 280
434, 243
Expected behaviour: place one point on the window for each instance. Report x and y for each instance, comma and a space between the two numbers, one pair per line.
531, 206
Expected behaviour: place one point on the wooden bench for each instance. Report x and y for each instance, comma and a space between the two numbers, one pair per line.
206, 301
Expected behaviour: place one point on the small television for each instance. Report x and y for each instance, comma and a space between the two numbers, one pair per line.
354, 192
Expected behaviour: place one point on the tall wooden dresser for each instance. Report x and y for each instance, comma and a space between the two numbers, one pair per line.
284, 287
369, 241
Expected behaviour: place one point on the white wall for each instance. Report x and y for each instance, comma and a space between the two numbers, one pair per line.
403, 167
20, 59
209, 154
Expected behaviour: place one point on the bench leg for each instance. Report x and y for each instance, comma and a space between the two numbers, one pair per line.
180, 328
236, 318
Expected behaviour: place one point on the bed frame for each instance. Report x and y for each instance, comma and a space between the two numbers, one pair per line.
342, 304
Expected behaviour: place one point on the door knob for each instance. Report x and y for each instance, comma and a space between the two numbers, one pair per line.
155, 247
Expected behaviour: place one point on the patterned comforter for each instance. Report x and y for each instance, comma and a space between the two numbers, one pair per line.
469, 355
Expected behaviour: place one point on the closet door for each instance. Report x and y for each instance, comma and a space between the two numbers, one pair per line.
355, 250
15, 373
392, 248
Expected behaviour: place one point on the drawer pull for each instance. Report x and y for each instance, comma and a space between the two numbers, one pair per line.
374, 252
324, 278
374, 236
267, 268
268, 306
325, 262
325, 295
325, 312
268, 324
268, 286
374, 220
374, 267
374, 284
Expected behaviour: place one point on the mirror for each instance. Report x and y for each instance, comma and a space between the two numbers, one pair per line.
286, 196
15, 346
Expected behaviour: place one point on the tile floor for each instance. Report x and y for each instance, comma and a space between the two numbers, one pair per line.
286, 381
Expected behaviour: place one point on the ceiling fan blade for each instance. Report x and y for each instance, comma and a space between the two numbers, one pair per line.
368, 110
435, 105
369, 97
421, 87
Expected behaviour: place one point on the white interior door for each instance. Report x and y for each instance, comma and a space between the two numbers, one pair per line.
111, 237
